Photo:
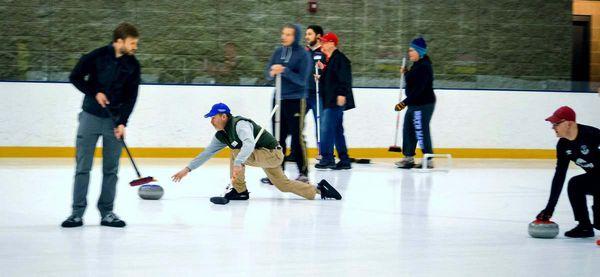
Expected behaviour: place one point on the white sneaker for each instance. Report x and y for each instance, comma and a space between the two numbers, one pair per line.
302, 178
406, 162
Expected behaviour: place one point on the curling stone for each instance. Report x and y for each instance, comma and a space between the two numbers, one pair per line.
151, 192
543, 229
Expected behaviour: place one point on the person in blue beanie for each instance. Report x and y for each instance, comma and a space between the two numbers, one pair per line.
420, 100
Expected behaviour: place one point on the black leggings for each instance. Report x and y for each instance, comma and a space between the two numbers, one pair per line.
292, 124
579, 187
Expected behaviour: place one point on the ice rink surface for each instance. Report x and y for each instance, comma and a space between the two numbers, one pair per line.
470, 221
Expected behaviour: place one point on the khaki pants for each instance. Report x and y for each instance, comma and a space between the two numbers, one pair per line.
270, 161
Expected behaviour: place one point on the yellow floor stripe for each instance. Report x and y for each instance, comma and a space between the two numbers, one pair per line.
151, 152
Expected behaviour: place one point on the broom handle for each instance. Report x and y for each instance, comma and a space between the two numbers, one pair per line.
400, 99
124, 145
262, 129
318, 108
277, 103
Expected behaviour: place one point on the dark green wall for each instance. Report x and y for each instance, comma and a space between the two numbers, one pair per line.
473, 43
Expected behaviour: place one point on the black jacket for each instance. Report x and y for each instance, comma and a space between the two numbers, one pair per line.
118, 78
419, 84
584, 151
336, 80
316, 55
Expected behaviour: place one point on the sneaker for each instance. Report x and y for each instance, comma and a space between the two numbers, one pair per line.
322, 165
581, 231
327, 191
265, 181
302, 178
112, 220
342, 166
235, 195
429, 164
406, 163
289, 159
72, 221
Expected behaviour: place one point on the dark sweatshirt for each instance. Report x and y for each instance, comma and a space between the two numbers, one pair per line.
118, 78
584, 151
336, 80
419, 83
296, 61
316, 55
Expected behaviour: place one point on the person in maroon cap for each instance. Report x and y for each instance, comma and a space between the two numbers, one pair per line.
581, 144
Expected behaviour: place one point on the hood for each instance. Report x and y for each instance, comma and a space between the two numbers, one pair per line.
299, 38
286, 51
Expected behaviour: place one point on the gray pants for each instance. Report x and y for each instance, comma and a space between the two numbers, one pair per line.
91, 127
416, 130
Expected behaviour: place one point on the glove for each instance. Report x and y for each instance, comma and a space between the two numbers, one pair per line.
545, 215
400, 106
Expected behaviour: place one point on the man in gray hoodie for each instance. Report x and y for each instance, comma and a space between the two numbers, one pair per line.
293, 62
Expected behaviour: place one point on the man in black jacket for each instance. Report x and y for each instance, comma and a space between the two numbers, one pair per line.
335, 87
581, 144
109, 77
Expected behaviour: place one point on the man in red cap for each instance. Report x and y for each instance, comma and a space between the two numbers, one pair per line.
335, 87
581, 144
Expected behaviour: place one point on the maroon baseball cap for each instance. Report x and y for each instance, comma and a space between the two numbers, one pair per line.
563, 113
330, 37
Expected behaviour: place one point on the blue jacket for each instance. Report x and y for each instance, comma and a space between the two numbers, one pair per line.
297, 63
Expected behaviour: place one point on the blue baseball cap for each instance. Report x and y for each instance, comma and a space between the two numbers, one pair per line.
216, 109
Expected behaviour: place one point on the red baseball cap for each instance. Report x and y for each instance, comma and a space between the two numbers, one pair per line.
563, 113
330, 37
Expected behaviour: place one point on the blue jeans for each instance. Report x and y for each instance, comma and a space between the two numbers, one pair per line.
332, 133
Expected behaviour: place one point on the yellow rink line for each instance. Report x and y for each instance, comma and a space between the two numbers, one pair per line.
165, 152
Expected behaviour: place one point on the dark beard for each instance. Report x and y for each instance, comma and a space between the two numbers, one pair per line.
312, 43
128, 53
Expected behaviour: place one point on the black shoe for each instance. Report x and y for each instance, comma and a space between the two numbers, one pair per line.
420, 166
327, 191
429, 164
112, 220
322, 165
72, 221
290, 159
581, 231
234, 195
342, 165
266, 181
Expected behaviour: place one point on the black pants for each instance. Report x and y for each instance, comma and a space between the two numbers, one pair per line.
416, 130
579, 187
292, 124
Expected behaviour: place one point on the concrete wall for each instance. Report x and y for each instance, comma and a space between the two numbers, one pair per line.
473, 43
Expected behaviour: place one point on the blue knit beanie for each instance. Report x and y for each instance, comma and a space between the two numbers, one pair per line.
420, 46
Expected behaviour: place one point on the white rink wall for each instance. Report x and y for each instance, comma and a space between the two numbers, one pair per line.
44, 114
